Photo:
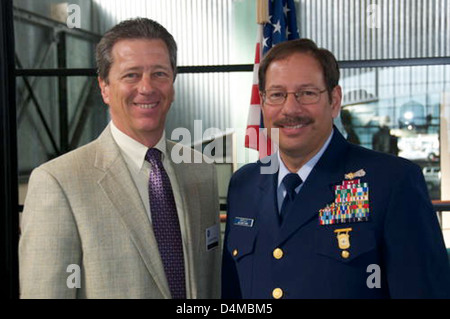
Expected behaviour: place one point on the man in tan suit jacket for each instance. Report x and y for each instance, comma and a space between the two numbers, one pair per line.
86, 227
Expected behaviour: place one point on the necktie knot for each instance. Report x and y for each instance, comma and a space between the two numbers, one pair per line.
153, 155
291, 181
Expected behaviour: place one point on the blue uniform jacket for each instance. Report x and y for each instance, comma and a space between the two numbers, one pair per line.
299, 258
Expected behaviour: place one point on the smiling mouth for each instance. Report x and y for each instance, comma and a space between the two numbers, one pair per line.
294, 123
293, 126
146, 106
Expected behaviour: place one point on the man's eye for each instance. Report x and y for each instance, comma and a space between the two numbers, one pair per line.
275, 95
161, 74
307, 93
131, 75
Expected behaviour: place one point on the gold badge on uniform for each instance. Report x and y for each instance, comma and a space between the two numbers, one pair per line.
343, 237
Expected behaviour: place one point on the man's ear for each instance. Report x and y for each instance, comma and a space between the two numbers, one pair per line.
336, 100
104, 89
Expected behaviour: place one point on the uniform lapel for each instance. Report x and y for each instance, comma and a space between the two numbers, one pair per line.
119, 187
267, 212
318, 190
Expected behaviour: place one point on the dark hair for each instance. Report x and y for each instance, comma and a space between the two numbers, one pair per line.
285, 49
138, 28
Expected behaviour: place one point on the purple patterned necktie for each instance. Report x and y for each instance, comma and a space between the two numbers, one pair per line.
166, 225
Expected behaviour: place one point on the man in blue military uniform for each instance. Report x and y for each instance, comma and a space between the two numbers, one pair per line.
336, 220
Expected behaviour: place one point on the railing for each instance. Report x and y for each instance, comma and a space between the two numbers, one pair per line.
441, 206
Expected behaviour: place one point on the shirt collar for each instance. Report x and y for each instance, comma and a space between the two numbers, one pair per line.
306, 169
133, 151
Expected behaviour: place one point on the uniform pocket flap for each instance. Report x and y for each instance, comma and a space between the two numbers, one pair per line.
241, 243
344, 244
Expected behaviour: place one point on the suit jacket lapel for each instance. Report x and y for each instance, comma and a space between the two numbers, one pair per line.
188, 187
318, 189
119, 187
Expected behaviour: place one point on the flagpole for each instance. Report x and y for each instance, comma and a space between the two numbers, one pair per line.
262, 17
262, 11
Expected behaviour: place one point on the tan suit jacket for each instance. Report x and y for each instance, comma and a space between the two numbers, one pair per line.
84, 209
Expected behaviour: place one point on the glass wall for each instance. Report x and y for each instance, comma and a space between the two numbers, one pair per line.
397, 110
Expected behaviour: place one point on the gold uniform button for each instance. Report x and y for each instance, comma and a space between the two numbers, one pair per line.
277, 293
345, 254
235, 253
278, 253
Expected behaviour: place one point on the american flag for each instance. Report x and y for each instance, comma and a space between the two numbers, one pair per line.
282, 27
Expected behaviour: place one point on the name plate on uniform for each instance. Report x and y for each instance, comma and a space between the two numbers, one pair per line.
242, 221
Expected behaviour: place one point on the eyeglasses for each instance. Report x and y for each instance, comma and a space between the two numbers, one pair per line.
304, 96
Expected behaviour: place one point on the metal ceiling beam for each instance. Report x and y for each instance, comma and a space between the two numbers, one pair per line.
81, 117
34, 18
21, 107
38, 109
247, 67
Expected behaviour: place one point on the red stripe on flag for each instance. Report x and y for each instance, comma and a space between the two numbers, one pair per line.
256, 139
255, 95
253, 122
265, 145
257, 53
252, 136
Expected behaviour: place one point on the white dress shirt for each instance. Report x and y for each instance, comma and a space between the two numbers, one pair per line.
134, 153
303, 172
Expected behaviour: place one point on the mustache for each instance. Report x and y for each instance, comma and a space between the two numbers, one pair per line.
294, 120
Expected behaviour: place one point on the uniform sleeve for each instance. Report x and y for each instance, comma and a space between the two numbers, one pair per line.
416, 260
230, 279
49, 242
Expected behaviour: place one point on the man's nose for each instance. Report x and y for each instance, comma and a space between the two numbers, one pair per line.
145, 85
291, 105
